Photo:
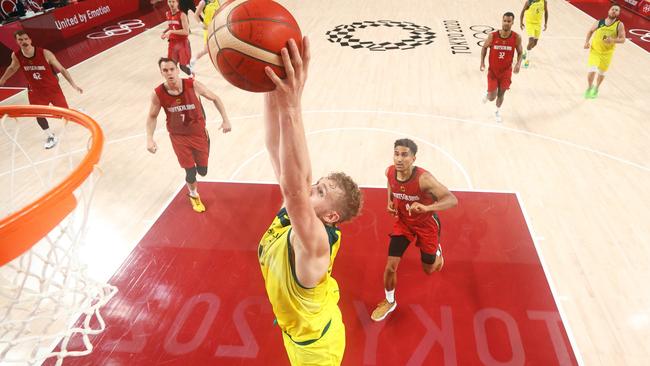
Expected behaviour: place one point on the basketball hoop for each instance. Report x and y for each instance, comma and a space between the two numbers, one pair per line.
44, 287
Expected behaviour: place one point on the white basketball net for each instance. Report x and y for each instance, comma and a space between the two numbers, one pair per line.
48, 304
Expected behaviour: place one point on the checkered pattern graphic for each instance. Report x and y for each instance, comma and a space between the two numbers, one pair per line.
418, 35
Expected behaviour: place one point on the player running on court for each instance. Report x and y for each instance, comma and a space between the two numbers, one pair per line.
532, 13
39, 66
414, 197
502, 45
178, 28
180, 98
606, 34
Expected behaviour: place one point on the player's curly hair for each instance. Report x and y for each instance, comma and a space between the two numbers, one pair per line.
350, 204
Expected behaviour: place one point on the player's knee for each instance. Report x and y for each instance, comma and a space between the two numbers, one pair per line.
202, 170
492, 97
42, 121
190, 175
427, 268
391, 268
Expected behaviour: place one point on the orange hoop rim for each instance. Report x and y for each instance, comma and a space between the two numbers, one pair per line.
22, 229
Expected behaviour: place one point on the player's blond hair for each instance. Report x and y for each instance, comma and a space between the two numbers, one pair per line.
349, 204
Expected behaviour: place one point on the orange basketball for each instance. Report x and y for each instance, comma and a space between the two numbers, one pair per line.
247, 35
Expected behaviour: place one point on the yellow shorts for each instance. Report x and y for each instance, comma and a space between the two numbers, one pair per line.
327, 351
600, 60
533, 30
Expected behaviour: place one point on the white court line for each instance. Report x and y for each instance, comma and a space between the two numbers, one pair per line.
534, 239
398, 113
550, 282
337, 129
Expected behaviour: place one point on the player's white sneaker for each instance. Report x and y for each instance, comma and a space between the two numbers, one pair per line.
51, 142
497, 116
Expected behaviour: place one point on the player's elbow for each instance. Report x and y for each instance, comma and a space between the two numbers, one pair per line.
453, 201
295, 189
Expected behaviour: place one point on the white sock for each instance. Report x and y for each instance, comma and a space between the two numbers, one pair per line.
194, 193
49, 133
498, 111
390, 295
528, 54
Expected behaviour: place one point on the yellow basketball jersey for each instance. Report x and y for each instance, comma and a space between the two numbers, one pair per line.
535, 12
304, 314
209, 10
603, 31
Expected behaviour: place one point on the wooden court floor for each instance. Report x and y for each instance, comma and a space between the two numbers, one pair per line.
580, 166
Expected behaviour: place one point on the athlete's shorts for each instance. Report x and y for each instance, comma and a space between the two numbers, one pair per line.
47, 96
426, 234
499, 79
599, 60
179, 50
326, 351
191, 150
534, 30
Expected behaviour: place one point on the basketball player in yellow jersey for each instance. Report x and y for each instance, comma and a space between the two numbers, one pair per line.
297, 251
206, 9
532, 13
606, 34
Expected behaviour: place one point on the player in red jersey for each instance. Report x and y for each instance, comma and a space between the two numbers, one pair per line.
39, 67
502, 45
180, 98
178, 28
414, 196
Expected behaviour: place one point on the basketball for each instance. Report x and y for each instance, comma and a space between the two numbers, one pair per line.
245, 36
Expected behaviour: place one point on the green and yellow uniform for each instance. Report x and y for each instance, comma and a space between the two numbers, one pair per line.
601, 53
208, 13
533, 17
310, 319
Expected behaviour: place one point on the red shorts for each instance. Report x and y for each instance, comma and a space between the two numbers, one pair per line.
191, 150
500, 79
426, 233
47, 96
179, 50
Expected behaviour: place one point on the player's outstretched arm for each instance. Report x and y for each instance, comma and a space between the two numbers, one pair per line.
390, 206
51, 59
520, 53
444, 199
589, 34
621, 33
311, 246
545, 14
521, 16
486, 45
272, 132
11, 69
208, 94
152, 118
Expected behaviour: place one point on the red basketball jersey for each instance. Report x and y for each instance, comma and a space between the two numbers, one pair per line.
184, 111
174, 23
502, 51
407, 192
38, 72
